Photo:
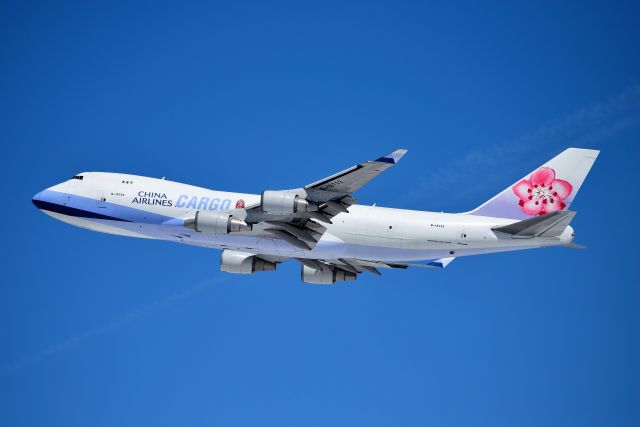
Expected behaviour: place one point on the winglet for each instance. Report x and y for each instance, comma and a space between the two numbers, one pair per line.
393, 157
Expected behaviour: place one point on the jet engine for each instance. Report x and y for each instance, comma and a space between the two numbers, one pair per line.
216, 223
326, 276
243, 262
286, 202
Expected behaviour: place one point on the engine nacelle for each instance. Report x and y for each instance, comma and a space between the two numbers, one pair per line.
243, 262
285, 202
216, 223
327, 276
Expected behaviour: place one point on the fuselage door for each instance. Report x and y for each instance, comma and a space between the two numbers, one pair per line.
102, 199
463, 236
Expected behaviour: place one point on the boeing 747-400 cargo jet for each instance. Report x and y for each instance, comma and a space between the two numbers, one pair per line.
320, 225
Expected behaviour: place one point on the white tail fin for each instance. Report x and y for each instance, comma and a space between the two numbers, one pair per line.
551, 187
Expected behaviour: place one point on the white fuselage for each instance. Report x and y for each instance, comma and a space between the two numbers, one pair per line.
137, 206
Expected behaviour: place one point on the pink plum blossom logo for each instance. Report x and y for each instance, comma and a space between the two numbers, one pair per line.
240, 204
542, 193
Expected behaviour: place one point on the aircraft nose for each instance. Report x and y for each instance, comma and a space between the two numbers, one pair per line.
37, 199
40, 200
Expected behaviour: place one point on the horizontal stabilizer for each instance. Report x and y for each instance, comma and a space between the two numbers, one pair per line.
436, 263
441, 263
548, 225
575, 246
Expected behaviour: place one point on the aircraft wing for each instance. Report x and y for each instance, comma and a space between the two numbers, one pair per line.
297, 216
355, 177
349, 267
358, 266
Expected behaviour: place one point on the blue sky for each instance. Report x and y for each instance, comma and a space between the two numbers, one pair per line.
102, 330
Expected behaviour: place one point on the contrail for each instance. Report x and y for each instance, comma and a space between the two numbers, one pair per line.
114, 324
588, 126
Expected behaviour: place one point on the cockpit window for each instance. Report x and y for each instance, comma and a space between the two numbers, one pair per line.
80, 177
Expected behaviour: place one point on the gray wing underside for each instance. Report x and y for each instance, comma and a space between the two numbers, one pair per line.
358, 266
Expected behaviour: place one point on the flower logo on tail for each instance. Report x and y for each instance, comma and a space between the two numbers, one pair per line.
542, 193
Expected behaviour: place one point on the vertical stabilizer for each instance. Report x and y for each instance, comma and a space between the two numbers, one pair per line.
552, 187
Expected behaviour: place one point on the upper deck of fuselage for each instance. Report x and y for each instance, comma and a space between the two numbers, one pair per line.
87, 183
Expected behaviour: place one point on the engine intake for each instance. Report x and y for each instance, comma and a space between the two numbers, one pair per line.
327, 276
243, 262
285, 202
216, 223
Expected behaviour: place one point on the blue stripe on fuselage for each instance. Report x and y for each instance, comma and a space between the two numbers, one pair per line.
85, 207
69, 211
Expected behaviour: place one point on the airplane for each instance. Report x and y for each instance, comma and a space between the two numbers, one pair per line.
320, 225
